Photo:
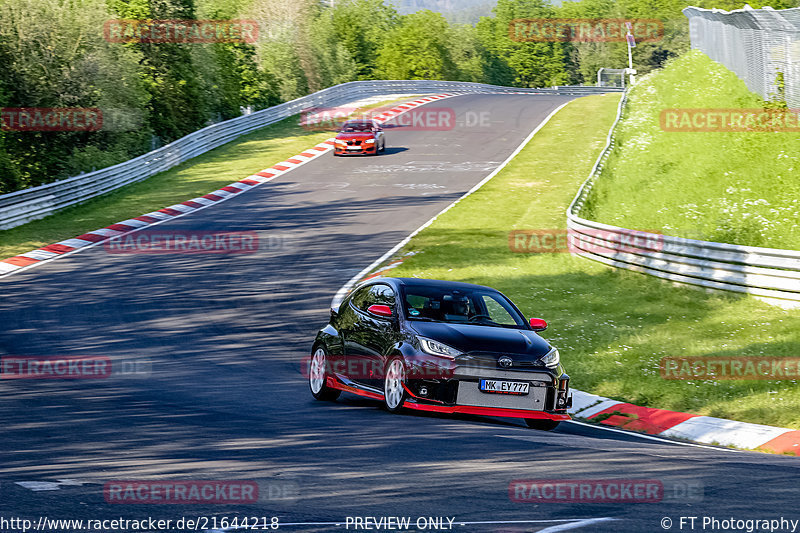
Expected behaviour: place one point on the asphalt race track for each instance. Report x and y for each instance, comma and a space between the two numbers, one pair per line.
220, 394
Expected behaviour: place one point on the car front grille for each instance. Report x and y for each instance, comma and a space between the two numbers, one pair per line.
353, 143
471, 372
483, 360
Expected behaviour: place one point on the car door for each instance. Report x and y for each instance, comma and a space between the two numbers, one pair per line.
344, 359
373, 335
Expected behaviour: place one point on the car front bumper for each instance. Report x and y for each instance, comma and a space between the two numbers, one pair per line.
363, 150
548, 395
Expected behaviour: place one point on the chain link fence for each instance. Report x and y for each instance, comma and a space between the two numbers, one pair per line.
762, 46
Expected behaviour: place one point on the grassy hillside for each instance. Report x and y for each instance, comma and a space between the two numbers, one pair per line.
738, 188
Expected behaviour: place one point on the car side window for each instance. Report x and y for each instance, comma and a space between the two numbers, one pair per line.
379, 294
497, 311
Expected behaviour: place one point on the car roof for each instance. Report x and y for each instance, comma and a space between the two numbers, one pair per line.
359, 121
424, 282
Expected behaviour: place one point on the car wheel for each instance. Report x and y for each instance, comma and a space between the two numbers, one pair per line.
542, 424
394, 394
318, 378
383, 146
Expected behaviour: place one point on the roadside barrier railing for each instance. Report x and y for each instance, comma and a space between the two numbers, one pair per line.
769, 273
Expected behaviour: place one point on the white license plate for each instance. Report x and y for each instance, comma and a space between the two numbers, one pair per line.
354, 148
504, 387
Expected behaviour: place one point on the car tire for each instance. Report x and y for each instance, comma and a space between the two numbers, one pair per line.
542, 424
318, 377
383, 146
394, 379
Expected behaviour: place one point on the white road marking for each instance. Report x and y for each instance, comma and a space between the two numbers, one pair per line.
575, 525
429, 166
38, 486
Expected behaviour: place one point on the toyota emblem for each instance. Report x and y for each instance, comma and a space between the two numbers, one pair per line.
505, 361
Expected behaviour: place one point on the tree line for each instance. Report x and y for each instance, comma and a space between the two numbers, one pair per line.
54, 54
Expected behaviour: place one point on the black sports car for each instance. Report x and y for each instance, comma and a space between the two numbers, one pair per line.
440, 346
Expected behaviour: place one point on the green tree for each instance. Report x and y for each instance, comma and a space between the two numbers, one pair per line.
417, 49
233, 77
179, 102
533, 64
471, 58
282, 42
330, 60
67, 63
362, 26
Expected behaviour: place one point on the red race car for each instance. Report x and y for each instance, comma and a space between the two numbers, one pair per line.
362, 136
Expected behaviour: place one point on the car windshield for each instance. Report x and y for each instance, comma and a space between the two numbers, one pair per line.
354, 127
460, 306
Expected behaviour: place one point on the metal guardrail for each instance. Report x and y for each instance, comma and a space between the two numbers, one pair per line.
769, 273
36, 202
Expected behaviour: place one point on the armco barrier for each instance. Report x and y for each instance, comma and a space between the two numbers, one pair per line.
769, 273
29, 204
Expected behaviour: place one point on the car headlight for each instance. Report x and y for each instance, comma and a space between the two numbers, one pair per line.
343, 143
433, 347
551, 359
369, 141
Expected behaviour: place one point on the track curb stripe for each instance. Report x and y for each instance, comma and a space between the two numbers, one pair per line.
636, 418
674, 424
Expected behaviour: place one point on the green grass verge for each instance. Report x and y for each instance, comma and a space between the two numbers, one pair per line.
201, 175
612, 327
733, 187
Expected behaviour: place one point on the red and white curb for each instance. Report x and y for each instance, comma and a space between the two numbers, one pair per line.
69, 246
696, 428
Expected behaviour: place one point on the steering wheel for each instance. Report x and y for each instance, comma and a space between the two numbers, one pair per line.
478, 317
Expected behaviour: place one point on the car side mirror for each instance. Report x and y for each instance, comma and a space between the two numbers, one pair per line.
380, 310
538, 324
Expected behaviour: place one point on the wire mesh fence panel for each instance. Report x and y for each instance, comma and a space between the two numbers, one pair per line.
762, 46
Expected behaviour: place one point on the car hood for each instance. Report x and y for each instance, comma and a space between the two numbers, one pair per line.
516, 343
354, 136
